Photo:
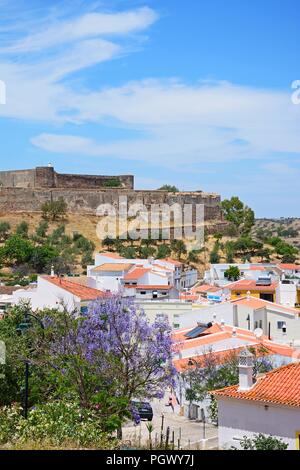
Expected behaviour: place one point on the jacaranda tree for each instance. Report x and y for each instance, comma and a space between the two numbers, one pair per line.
107, 356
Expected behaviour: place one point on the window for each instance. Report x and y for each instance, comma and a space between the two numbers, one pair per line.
280, 325
143, 292
255, 325
176, 325
260, 324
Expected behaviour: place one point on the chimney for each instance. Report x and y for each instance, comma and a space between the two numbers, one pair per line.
248, 295
52, 271
234, 331
245, 370
214, 318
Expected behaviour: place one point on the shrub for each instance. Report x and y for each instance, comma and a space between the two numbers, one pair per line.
112, 183
4, 230
54, 210
54, 423
168, 187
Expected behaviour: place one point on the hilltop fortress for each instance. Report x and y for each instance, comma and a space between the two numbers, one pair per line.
27, 190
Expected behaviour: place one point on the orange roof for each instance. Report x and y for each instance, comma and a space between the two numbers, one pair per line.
256, 268
290, 267
136, 273
280, 386
250, 284
149, 287
188, 296
220, 356
256, 303
261, 349
206, 288
213, 335
83, 292
112, 267
172, 261
112, 255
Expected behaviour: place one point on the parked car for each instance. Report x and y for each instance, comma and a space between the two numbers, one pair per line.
144, 409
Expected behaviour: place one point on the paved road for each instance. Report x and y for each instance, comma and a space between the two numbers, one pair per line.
188, 432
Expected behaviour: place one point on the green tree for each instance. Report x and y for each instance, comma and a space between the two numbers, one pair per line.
193, 256
214, 257
4, 231
163, 251
229, 252
54, 210
17, 250
236, 212
42, 257
109, 243
42, 229
178, 247
262, 442
128, 252
232, 273
22, 229
169, 188
147, 251
87, 259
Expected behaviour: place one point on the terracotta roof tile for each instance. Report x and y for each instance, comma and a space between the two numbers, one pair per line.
136, 274
112, 255
112, 267
290, 267
256, 303
281, 386
84, 293
249, 284
172, 261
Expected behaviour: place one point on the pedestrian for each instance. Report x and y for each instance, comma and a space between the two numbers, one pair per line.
171, 404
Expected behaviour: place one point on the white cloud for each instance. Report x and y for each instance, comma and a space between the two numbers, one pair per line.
86, 26
34, 81
177, 124
183, 124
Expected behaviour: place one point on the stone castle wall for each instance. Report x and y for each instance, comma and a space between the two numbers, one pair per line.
87, 201
28, 190
47, 177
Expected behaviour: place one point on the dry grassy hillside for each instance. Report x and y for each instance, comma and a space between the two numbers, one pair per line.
87, 224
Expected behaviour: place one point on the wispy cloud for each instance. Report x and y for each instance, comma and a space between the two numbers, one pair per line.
176, 124
86, 26
206, 122
36, 58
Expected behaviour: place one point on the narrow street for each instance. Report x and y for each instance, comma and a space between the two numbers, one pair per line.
187, 433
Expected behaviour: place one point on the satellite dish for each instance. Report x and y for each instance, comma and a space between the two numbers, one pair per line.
258, 332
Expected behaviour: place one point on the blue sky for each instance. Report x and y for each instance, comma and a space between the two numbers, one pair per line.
195, 93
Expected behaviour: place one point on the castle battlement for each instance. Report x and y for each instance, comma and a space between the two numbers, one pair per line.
47, 177
28, 190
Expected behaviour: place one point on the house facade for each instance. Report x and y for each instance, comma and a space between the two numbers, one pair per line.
269, 405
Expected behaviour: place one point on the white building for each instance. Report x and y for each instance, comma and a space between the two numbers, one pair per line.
270, 405
277, 321
55, 293
111, 271
253, 271
290, 270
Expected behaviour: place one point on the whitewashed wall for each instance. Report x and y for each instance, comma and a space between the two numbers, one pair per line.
238, 418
